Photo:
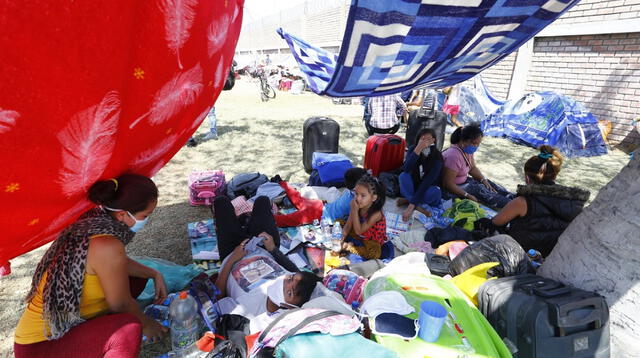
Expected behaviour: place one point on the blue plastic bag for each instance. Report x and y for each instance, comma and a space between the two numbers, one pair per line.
176, 277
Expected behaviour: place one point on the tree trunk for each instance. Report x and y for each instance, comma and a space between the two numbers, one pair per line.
600, 251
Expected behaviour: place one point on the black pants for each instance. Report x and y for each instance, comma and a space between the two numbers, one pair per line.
231, 231
372, 130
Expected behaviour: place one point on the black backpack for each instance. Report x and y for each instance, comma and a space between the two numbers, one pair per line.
391, 184
245, 184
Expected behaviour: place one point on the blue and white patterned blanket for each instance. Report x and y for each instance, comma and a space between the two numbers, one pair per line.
394, 45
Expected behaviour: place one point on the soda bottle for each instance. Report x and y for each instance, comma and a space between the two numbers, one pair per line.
184, 326
336, 238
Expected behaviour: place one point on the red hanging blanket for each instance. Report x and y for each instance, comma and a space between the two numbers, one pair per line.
90, 89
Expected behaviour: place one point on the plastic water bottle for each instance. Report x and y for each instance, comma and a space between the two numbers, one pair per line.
325, 226
185, 330
336, 237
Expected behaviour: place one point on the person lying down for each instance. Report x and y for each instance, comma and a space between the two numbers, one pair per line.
256, 280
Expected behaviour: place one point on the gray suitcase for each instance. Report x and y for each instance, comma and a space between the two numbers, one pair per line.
543, 318
319, 134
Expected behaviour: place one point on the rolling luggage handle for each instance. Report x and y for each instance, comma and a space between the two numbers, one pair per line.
560, 314
546, 289
424, 110
394, 141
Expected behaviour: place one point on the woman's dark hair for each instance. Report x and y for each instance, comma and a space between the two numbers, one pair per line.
352, 175
130, 192
434, 153
375, 187
305, 286
544, 167
466, 133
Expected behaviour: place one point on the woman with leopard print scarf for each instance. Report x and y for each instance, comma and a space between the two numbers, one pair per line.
82, 298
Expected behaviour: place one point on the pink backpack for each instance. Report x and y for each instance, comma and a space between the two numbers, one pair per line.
204, 186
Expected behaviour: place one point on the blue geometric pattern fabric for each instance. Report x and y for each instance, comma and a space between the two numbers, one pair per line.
394, 45
317, 64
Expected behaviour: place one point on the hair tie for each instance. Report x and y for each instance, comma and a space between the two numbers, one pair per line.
545, 155
115, 181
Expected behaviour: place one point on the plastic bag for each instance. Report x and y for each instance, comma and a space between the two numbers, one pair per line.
175, 276
501, 248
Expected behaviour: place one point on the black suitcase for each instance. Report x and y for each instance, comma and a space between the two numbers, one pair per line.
427, 117
319, 134
543, 318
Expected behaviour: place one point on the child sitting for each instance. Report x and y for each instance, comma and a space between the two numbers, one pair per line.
366, 220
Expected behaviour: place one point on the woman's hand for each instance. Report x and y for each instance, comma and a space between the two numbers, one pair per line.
471, 197
161, 288
486, 183
423, 143
267, 241
406, 215
153, 330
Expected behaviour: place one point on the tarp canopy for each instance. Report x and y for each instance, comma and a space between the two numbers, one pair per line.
548, 118
93, 89
393, 46
476, 101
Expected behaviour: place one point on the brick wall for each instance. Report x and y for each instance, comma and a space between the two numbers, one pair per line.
601, 71
498, 76
601, 10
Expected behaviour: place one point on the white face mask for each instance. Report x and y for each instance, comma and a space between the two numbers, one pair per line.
275, 292
426, 151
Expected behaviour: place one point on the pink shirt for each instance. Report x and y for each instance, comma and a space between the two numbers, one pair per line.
454, 159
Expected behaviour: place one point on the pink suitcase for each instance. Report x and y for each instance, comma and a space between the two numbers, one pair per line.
204, 186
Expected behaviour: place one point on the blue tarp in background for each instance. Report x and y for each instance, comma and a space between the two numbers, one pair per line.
548, 118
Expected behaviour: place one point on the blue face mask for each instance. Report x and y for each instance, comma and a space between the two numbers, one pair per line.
470, 149
139, 223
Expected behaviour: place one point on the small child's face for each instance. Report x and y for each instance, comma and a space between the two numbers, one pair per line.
364, 197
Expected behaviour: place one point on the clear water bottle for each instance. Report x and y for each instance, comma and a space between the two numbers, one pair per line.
325, 225
336, 237
185, 330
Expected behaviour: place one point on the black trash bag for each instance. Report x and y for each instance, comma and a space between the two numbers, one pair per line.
234, 328
391, 183
245, 184
500, 248
438, 264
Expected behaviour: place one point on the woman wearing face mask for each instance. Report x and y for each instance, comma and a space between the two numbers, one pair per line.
421, 174
259, 278
459, 164
543, 209
82, 298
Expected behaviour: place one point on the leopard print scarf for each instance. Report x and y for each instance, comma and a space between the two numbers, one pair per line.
64, 263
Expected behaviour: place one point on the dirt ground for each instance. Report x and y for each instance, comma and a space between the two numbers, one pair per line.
267, 137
